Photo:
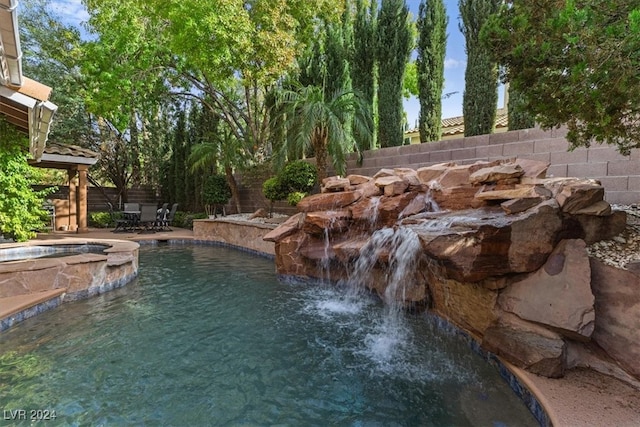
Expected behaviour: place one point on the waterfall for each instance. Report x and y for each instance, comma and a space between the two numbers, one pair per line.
401, 248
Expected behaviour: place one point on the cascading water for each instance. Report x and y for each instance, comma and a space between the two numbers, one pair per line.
401, 247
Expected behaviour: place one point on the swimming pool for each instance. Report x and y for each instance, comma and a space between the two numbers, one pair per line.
209, 336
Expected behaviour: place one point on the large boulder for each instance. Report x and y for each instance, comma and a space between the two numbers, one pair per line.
468, 305
287, 228
475, 245
328, 201
558, 295
528, 346
617, 304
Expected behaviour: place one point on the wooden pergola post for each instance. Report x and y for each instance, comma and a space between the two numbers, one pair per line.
81, 200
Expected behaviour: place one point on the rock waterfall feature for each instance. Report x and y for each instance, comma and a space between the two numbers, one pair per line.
502, 250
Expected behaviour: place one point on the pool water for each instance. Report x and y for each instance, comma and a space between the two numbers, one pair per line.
209, 336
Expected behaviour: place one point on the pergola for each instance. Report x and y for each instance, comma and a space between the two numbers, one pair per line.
25, 104
76, 160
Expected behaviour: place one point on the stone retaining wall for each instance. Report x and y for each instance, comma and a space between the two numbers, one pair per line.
234, 233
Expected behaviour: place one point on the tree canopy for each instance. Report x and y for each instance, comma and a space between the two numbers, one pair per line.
575, 62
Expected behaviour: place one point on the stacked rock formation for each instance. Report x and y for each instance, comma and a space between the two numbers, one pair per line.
503, 249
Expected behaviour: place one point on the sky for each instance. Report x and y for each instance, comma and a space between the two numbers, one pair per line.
455, 59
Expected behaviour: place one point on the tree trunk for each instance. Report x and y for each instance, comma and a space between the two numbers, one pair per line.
319, 143
233, 185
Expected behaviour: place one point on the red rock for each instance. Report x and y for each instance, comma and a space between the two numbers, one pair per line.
429, 173
369, 189
533, 168
365, 210
484, 243
260, 213
574, 197
358, 179
328, 201
496, 173
390, 208
457, 198
519, 205
384, 172
617, 303
335, 184
558, 295
326, 221
455, 176
287, 228
527, 346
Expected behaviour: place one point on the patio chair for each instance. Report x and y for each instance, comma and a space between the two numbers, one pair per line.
122, 224
162, 215
131, 212
148, 218
169, 219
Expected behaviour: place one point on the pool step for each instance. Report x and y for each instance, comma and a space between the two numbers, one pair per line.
16, 304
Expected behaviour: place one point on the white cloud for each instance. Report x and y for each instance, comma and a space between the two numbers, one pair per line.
72, 11
450, 63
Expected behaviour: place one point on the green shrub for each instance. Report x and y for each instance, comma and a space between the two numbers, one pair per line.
216, 190
294, 198
273, 189
185, 219
100, 219
298, 176
20, 207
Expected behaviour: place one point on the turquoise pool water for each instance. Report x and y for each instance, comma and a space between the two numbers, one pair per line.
209, 336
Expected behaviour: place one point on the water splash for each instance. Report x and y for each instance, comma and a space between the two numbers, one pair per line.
400, 248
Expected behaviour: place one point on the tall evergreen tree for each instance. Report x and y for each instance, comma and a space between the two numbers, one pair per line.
432, 43
337, 39
480, 98
393, 49
363, 59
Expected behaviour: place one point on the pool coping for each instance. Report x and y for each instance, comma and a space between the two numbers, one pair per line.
117, 255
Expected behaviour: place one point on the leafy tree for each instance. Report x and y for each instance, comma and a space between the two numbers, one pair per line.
299, 176
363, 60
312, 120
20, 207
273, 190
394, 44
480, 98
432, 41
51, 55
575, 63
519, 117
216, 192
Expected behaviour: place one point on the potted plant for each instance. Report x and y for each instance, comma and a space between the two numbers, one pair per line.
215, 193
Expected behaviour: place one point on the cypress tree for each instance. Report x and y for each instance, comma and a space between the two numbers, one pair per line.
393, 48
363, 58
480, 98
432, 42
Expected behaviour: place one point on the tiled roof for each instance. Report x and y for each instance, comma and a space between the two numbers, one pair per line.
69, 150
455, 125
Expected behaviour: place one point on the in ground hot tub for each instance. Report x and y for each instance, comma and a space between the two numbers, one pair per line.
34, 274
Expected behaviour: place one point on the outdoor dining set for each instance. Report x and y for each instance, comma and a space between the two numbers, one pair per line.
143, 217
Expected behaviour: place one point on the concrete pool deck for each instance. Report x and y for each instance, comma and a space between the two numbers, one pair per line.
582, 398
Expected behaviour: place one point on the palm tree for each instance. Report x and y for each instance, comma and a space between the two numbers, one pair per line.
310, 121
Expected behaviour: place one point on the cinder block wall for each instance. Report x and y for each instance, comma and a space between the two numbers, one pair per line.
620, 175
